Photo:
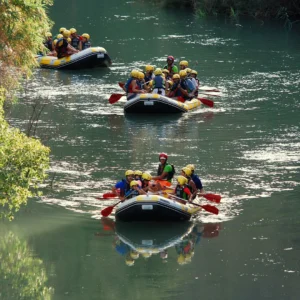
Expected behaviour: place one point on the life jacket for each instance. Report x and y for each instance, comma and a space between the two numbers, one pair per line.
48, 44
170, 69
159, 82
128, 86
161, 169
180, 193
124, 191
75, 42
148, 77
86, 45
131, 193
61, 48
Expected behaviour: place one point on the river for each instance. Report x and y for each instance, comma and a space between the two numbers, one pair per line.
246, 148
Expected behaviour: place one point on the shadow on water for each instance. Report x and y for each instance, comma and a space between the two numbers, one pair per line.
133, 240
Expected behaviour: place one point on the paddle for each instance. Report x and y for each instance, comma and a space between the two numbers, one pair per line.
108, 210
211, 197
109, 195
208, 89
121, 84
206, 102
207, 207
115, 98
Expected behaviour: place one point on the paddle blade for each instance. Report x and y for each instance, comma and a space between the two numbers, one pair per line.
107, 211
207, 102
109, 195
210, 208
115, 98
212, 197
121, 84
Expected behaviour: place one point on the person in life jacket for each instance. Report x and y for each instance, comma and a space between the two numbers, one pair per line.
141, 80
178, 88
138, 176
85, 42
165, 171
133, 87
194, 78
196, 179
182, 190
75, 39
123, 186
187, 85
187, 173
158, 84
49, 44
183, 64
169, 82
149, 74
170, 66
134, 190
63, 48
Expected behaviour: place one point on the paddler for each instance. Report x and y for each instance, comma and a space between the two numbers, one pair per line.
122, 187
170, 66
165, 170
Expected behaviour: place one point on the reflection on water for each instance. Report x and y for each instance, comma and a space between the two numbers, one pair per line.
22, 276
134, 241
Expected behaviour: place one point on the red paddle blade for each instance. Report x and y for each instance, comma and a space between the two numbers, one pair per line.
212, 197
181, 99
107, 211
210, 208
207, 102
115, 98
121, 84
101, 198
109, 195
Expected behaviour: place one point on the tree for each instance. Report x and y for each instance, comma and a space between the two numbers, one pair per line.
23, 160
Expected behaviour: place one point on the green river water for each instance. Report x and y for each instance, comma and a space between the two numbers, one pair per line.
246, 148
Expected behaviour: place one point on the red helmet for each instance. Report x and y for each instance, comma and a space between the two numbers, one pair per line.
163, 155
170, 57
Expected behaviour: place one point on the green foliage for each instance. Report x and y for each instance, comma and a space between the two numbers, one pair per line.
22, 276
23, 160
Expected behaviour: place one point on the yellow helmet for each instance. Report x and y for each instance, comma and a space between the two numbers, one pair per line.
194, 72
137, 172
129, 172
165, 71
59, 36
146, 254
158, 71
73, 30
182, 73
184, 63
181, 259
69, 40
62, 29
140, 75
170, 83
133, 182
176, 76
182, 180
187, 171
66, 33
134, 254
188, 70
146, 176
86, 35
134, 73
190, 166
129, 261
149, 68
48, 34
54, 42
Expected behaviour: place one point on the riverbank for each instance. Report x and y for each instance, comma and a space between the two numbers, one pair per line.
288, 12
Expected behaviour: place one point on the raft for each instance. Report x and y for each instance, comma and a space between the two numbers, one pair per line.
154, 208
93, 57
155, 103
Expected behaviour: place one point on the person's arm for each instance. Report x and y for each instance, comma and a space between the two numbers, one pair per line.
194, 188
164, 174
141, 191
183, 91
188, 192
135, 88
80, 46
72, 49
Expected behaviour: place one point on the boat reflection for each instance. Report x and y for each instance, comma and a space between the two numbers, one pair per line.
134, 241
